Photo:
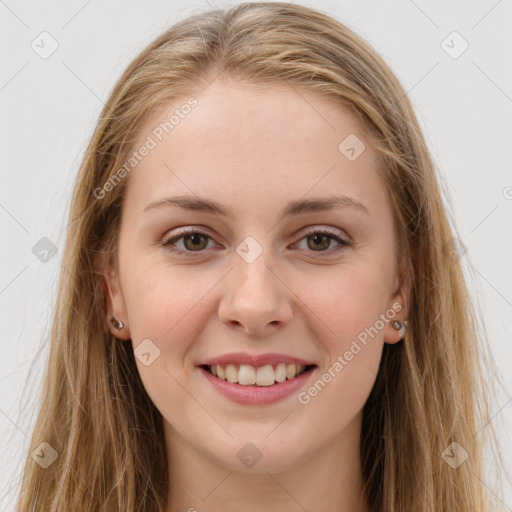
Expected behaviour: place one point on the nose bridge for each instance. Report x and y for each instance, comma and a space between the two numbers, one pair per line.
255, 296
252, 274
255, 276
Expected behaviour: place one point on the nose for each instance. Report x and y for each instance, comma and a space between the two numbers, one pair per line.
256, 298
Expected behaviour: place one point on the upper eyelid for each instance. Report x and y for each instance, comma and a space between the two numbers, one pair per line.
205, 231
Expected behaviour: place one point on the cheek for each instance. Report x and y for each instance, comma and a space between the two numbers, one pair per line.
347, 302
163, 307
167, 305
350, 303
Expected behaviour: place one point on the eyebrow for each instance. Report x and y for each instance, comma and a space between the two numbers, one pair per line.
296, 207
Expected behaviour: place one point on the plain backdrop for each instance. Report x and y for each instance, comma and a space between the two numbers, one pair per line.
460, 85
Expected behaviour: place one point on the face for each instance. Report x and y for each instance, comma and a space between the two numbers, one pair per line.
312, 286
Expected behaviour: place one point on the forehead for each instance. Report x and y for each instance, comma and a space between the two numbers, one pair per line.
255, 147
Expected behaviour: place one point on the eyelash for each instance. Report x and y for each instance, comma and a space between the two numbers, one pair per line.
322, 231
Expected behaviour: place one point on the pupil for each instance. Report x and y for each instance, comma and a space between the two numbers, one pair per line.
195, 237
318, 237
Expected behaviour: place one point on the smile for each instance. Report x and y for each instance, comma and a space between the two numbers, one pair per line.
257, 385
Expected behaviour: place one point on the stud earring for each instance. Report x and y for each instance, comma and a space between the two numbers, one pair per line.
117, 323
400, 327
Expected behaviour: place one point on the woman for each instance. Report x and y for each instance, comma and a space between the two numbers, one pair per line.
318, 349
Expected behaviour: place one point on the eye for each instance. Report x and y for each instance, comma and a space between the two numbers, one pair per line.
320, 239
194, 241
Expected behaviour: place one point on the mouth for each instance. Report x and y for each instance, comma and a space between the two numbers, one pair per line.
257, 376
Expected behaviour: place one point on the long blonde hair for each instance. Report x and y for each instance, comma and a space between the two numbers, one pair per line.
431, 390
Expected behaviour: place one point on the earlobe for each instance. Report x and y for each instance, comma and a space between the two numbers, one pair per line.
116, 323
400, 327
396, 328
116, 316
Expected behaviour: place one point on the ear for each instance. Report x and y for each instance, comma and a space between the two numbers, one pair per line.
399, 302
115, 304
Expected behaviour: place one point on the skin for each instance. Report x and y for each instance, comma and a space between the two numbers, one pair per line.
254, 149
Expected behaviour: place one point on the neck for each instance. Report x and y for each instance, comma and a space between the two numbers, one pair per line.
328, 480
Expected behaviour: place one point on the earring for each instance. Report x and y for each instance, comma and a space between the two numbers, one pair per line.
117, 323
400, 327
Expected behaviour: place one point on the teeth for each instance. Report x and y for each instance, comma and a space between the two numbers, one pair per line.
247, 375
231, 373
290, 371
265, 375
281, 372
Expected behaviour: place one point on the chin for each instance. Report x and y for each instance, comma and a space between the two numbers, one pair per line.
259, 453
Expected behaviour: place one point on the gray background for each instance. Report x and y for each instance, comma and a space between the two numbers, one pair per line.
49, 107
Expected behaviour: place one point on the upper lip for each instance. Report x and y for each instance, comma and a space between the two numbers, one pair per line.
255, 359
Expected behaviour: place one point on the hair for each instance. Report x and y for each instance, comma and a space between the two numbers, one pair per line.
431, 389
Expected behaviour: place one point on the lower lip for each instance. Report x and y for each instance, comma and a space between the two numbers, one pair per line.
256, 395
